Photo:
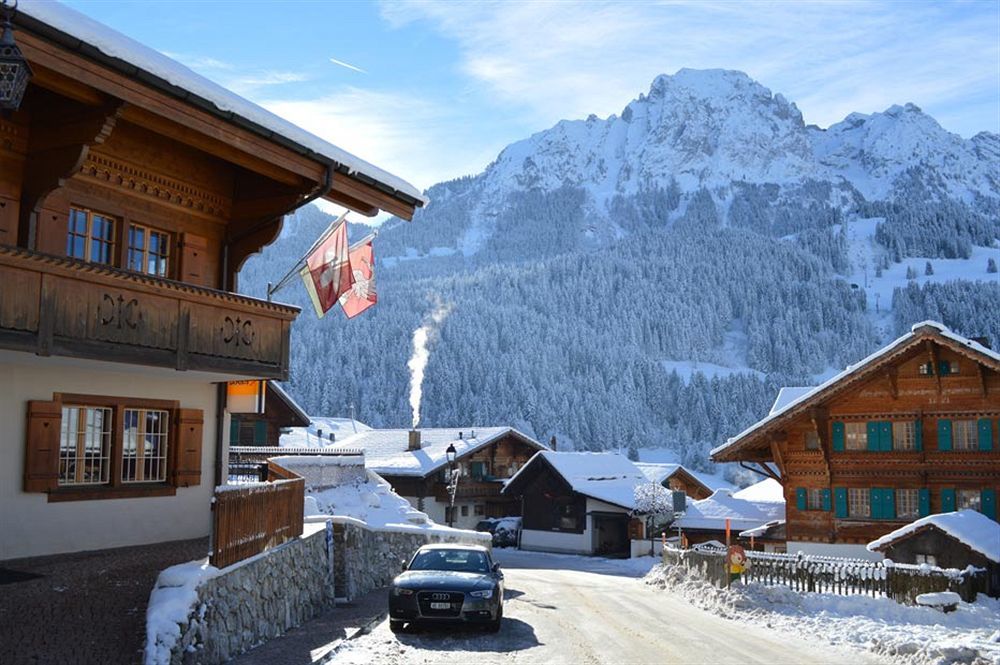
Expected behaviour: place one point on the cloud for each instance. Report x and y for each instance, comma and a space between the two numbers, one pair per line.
558, 60
347, 65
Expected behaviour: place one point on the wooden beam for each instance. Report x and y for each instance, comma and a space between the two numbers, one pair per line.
357, 190
820, 418
779, 458
932, 355
351, 203
982, 379
891, 375
764, 470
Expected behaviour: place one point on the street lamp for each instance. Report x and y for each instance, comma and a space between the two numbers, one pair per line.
450, 453
14, 69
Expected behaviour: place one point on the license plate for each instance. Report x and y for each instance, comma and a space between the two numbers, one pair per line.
440, 606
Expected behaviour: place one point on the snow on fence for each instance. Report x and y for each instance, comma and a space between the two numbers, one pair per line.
842, 576
249, 519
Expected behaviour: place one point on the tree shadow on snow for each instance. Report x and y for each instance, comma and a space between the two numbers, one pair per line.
514, 635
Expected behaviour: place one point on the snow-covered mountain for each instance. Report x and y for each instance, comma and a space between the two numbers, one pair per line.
652, 278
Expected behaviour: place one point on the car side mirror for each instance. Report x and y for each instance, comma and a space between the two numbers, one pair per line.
496, 567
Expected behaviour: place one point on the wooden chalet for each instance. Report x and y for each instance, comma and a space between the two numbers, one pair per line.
676, 477
131, 192
909, 431
281, 412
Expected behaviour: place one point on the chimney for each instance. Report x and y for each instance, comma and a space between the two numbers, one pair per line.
982, 341
459, 435
319, 433
552, 442
414, 443
333, 437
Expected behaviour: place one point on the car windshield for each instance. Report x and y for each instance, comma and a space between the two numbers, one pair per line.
467, 561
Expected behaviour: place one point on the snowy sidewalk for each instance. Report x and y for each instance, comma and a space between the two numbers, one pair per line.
314, 640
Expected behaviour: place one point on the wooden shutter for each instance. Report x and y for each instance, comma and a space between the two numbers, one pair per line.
988, 503
838, 436
947, 500
194, 260
985, 427
885, 436
925, 502
260, 433
234, 431
826, 500
800, 498
944, 434
840, 501
875, 503
944, 367
186, 471
41, 455
888, 504
873, 436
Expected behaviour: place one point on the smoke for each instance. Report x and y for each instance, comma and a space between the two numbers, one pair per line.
423, 338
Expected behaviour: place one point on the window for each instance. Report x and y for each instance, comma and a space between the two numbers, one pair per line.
964, 435
929, 559
148, 251
948, 367
859, 502
971, 499
465, 511
449, 514
480, 509
91, 236
85, 446
907, 504
812, 440
856, 436
144, 446
814, 499
904, 435
926, 369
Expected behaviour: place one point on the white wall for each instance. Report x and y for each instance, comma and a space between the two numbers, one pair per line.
641, 547
561, 541
833, 549
436, 511
31, 526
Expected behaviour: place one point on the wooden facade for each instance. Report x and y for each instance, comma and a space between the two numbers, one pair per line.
912, 431
280, 412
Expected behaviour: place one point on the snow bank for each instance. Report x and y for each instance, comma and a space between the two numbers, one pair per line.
917, 635
174, 595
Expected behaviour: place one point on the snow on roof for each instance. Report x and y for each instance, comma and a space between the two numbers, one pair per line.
806, 395
608, 477
386, 449
287, 399
116, 45
970, 527
759, 531
309, 437
658, 472
711, 513
787, 395
768, 490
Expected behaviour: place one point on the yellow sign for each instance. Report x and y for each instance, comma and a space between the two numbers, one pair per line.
245, 396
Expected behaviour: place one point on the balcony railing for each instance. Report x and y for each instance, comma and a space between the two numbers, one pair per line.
63, 307
470, 489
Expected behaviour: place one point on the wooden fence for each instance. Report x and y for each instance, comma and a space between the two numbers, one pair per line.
249, 519
842, 576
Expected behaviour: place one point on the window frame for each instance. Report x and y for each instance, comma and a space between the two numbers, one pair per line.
970, 430
147, 232
976, 502
900, 503
814, 499
857, 431
115, 487
904, 435
865, 494
88, 235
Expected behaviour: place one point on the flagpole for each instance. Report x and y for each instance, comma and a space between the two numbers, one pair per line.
271, 290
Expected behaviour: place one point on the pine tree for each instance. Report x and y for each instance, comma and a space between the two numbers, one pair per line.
928, 269
991, 266
910, 273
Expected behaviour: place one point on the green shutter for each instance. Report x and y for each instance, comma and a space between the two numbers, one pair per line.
838, 436
944, 434
826, 499
885, 436
873, 436
918, 434
875, 503
234, 431
947, 501
985, 434
478, 470
260, 433
944, 368
840, 501
888, 504
988, 503
800, 498
925, 502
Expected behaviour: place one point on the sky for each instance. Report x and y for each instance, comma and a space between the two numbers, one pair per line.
433, 90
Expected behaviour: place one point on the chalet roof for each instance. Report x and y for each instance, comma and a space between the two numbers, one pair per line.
773, 530
386, 449
287, 400
787, 395
970, 527
710, 514
607, 477
658, 472
768, 490
798, 402
155, 68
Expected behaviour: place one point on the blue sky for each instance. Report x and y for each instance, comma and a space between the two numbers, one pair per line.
445, 86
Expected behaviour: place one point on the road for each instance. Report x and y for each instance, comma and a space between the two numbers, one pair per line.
575, 610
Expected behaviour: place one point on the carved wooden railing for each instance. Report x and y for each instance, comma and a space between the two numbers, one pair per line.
57, 306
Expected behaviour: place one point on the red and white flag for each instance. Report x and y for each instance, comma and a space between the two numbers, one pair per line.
362, 294
327, 273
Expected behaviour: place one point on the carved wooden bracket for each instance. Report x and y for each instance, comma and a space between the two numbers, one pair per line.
820, 419
892, 374
932, 356
982, 379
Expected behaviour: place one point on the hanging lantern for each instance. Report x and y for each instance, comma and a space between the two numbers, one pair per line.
14, 69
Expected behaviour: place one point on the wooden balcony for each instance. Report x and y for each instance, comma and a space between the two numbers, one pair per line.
469, 489
55, 306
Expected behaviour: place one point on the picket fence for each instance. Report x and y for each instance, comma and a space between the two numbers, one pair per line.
842, 576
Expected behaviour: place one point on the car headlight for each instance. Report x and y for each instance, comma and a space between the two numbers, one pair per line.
402, 592
485, 593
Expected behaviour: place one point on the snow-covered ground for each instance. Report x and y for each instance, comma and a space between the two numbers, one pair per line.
918, 635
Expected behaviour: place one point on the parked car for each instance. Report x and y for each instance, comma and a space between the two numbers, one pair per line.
445, 582
505, 530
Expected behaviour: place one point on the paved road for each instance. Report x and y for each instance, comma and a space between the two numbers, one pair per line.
593, 614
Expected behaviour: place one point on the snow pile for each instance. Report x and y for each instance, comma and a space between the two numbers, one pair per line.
608, 477
174, 595
971, 527
917, 635
711, 513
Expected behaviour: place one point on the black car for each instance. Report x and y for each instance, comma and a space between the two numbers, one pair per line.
448, 583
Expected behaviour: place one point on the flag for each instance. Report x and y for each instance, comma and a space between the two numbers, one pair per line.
327, 272
362, 293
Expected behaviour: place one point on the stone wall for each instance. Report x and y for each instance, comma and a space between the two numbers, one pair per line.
256, 600
367, 559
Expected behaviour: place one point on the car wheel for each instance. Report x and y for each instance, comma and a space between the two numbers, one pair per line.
494, 626
396, 626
